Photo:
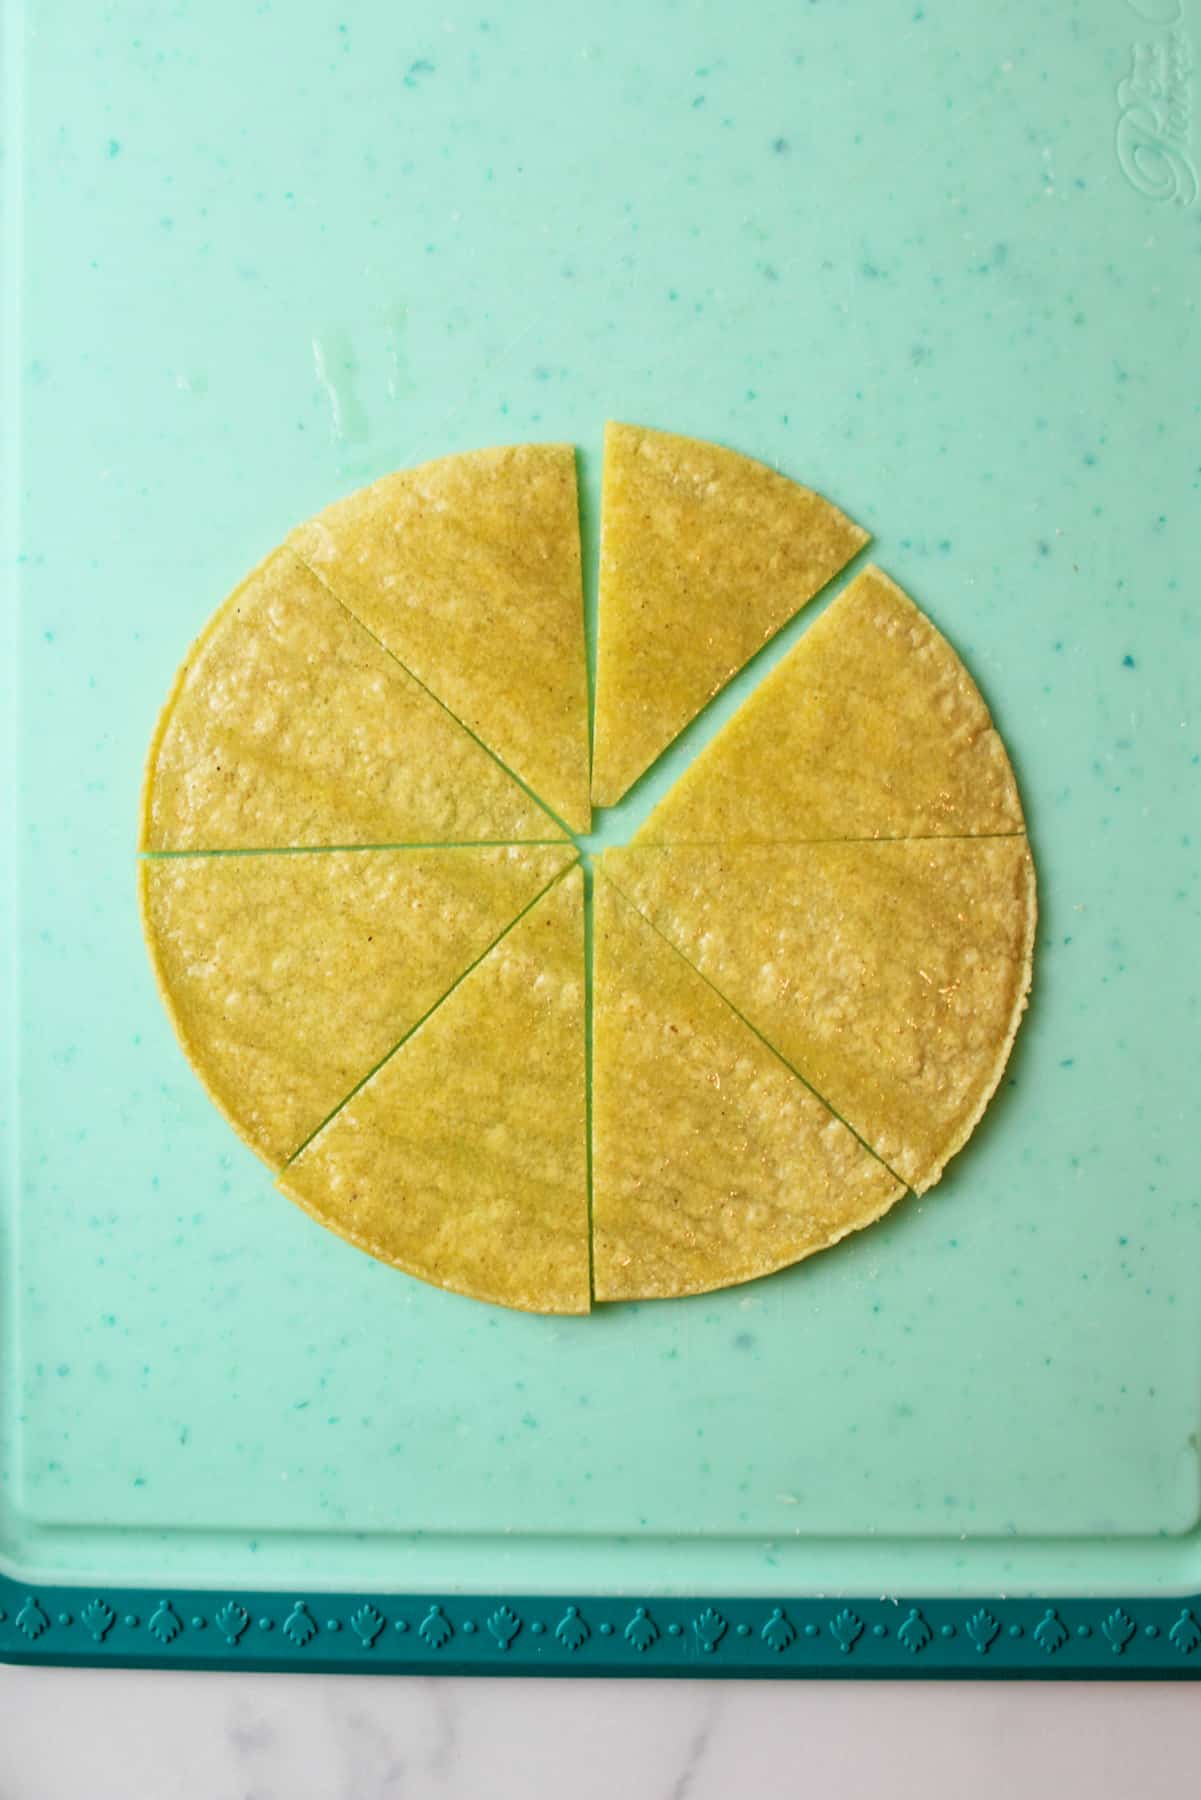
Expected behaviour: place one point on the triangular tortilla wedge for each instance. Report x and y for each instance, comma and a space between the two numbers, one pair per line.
705, 554
287, 977
712, 1162
463, 1160
891, 976
290, 726
468, 569
869, 727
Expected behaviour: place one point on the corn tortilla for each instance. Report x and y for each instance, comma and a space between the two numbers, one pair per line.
712, 1162
463, 1159
809, 968
289, 726
468, 570
891, 976
288, 977
705, 554
869, 727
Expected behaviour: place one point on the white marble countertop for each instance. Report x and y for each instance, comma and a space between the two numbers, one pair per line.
112, 1735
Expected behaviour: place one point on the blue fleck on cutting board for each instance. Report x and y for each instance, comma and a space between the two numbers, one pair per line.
941, 263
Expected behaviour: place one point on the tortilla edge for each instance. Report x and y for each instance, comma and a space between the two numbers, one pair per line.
195, 1062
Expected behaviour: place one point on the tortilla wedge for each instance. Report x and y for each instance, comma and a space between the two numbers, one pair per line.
712, 1161
891, 976
705, 554
289, 726
870, 727
463, 1160
288, 977
468, 570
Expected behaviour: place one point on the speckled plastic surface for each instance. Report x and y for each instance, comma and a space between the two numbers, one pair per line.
943, 269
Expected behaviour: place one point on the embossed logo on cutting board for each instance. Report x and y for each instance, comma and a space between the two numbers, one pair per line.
1153, 136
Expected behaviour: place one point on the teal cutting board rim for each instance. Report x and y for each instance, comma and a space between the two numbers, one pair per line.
512, 1634
944, 271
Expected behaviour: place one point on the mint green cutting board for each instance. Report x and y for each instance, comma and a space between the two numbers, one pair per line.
940, 262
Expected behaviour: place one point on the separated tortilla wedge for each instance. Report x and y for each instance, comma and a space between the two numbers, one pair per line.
705, 554
870, 727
